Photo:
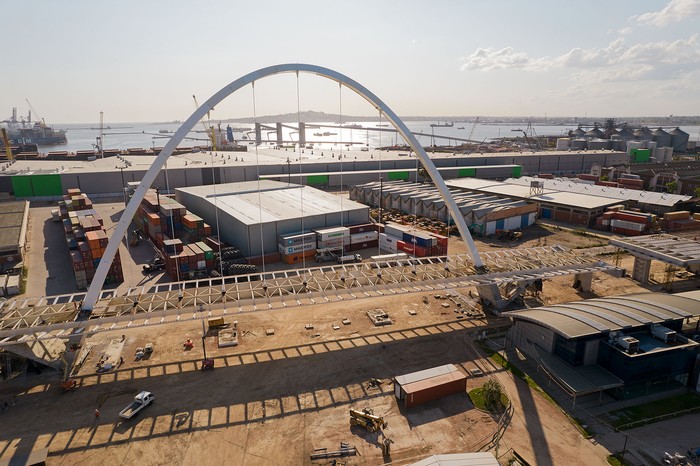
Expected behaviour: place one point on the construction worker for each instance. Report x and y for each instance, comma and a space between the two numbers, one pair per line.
97, 414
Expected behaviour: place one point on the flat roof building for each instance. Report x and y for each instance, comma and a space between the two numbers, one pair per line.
253, 220
14, 217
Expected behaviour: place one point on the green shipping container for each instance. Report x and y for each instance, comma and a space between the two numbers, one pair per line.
641, 155
317, 180
397, 176
463, 172
517, 171
208, 252
37, 185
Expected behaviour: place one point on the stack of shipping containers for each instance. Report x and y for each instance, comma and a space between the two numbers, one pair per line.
363, 236
183, 238
625, 222
297, 247
86, 239
419, 243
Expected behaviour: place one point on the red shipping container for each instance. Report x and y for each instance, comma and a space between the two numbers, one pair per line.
434, 388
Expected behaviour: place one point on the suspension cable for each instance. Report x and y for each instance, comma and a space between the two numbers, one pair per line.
301, 184
172, 224
218, 230
340, 111
379, 248
257, 168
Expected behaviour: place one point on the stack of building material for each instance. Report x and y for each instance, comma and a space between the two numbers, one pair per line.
86, 239
297, 247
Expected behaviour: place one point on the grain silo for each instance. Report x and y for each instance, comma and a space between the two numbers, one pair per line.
679, 140
594, 133
598, 144
577, 133
642, 134
662, 138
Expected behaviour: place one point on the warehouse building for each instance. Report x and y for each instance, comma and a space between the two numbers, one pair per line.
483, 213
569, 207
648, 201
626, 346
14, 217
253, 215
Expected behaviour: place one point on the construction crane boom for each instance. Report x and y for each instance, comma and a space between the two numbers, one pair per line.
208, 131
36, 114
471, 133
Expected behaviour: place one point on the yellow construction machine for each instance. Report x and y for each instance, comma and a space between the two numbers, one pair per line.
367, 419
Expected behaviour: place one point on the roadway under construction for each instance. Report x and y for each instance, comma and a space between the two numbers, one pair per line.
27, 324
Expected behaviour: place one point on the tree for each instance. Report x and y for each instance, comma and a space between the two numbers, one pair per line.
493, 393
697, 192
671, 186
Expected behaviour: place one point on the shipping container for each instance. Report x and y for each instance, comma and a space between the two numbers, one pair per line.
297, 238
358, 246
423, 391
364, 228
298, 248
364, 237
328, 234
388, 242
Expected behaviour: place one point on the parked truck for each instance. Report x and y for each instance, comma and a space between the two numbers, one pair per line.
141, 400
325, 255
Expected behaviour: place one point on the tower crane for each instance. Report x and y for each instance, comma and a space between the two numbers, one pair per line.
208, 131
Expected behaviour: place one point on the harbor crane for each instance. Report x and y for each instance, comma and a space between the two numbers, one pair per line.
471, 133
208, 131
41, 121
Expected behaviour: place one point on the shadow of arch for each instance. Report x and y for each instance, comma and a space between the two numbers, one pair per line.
250, 78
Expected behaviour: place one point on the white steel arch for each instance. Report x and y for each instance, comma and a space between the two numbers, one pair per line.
148, 178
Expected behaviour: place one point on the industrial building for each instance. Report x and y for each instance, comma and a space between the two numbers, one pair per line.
253, 215
625, 346
351, 178
49, 179
648, 201
13, 233
483, 213
574, 208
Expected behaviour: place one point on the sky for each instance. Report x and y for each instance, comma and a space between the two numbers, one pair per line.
142, 61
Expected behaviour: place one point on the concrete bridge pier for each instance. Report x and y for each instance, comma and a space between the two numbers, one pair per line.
583, 281
641, 268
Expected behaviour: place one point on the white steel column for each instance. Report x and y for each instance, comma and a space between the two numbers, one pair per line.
121, 227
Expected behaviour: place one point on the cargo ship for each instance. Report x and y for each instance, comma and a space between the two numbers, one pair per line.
24, 132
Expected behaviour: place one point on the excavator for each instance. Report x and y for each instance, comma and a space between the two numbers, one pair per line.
367, 419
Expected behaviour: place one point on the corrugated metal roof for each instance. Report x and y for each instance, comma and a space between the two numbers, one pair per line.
425, 374
574, 186
274, 202
436, 381
459, 459
593, 316
583, 201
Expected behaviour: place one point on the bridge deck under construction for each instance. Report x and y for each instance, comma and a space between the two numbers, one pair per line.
32, 319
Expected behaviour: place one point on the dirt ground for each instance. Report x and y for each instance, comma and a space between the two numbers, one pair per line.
274, 399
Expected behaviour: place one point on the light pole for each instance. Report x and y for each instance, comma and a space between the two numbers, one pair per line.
126, 201
289, 171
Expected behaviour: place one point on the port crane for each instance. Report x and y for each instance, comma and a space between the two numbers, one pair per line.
41, 121
208, 131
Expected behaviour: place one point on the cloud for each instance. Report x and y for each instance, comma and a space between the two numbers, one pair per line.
625, 31
673, 12
491, 59
615, 62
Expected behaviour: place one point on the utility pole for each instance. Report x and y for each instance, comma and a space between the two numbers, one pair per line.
381, 196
